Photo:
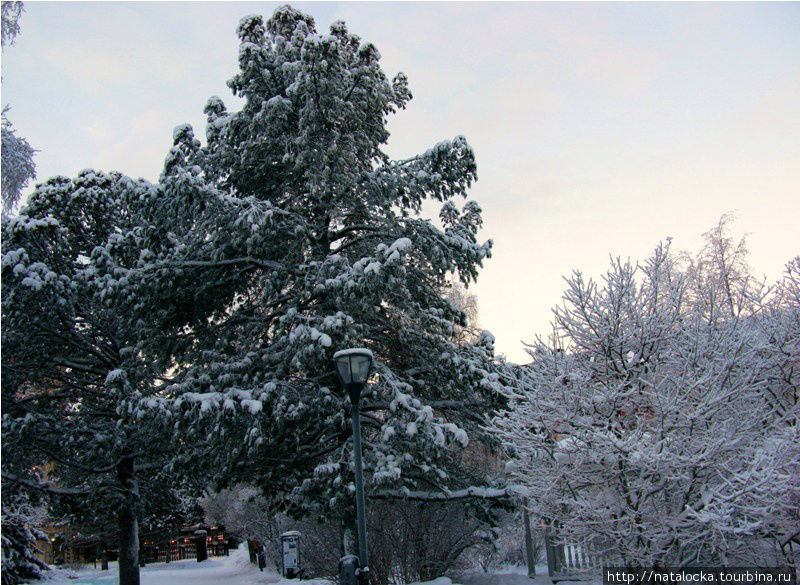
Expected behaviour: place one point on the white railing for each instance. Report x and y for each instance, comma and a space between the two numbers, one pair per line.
568, 560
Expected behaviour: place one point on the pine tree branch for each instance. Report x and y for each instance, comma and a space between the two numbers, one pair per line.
48, 488
337, 235
446, 495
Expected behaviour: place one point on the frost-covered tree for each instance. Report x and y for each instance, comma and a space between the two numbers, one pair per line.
660, 435
71, 375
11, 12
18, 167
290, 235
466, 302
17, 155
243, 511
718, 277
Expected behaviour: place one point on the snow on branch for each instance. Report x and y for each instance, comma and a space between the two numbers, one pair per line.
477, 492
46, 487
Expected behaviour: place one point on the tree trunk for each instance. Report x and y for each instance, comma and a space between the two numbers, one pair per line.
528, 543
128, 526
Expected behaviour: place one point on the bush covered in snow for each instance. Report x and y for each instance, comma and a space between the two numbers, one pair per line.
408, 541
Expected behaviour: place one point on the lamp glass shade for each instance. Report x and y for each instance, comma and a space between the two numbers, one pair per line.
343, 369
359, 368
353, 365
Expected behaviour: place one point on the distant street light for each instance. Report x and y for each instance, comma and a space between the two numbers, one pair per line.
352, 368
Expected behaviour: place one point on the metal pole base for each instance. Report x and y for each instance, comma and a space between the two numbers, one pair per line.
348, 567
363, 576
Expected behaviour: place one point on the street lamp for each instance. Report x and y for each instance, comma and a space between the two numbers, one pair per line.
352, 368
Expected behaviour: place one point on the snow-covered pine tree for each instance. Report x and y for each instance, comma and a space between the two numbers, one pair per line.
662, 428
292, 235
19, 536
70, 370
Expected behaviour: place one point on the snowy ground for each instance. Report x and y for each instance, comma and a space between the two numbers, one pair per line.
233, 570
237, 570
514, 576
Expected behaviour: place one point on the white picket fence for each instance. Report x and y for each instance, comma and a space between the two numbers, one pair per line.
569, 561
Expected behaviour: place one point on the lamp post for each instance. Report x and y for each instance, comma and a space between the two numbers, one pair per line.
352, 368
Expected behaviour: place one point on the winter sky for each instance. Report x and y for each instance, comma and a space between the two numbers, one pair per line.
598, 128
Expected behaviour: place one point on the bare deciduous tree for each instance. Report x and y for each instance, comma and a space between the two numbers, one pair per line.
666, 430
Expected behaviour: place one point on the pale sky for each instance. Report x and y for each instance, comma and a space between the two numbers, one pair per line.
598, 128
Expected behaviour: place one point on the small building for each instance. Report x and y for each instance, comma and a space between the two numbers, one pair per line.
65, 546
183, 545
